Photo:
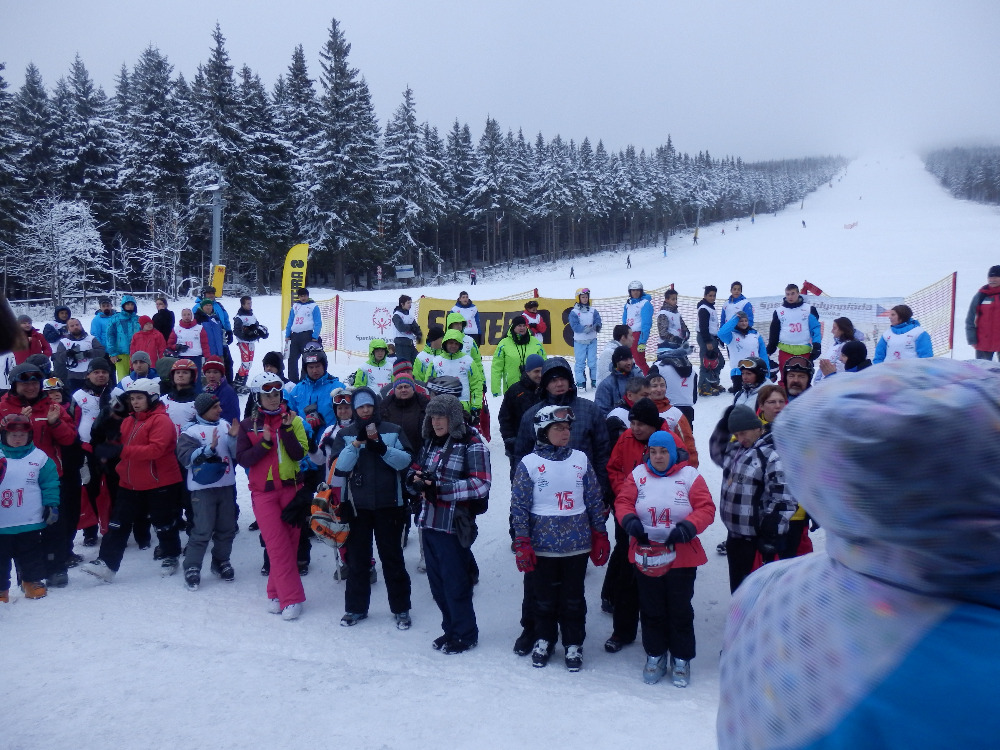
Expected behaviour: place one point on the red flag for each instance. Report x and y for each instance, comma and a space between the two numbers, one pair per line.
810, 288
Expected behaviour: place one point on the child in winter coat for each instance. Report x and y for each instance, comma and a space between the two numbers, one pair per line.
453, 361
557, 515
663, 504
377, 371
207, 449
148, 340
189, 339
214, 371
31, 476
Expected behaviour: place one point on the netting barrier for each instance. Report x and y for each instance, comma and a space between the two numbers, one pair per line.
349, 325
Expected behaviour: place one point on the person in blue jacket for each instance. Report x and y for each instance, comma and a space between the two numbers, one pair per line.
887, 637
585, 322
102, 320
638, 315
315, 389
304, 325
905, 339
743, 341
216, 336
735, 303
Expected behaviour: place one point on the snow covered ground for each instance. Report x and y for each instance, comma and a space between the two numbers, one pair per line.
143, 662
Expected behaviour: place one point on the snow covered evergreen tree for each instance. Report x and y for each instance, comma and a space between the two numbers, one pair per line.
459, 175
11, 180
35, 124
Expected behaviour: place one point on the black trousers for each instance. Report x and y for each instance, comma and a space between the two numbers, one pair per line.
560, 605
296, 342
405, 349
620, 588
57, 539
740, 553
160, 506
791, 548
386, 526
666, 612
27, 551
688, 411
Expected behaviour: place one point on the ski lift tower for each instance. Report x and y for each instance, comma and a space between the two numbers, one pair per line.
217, 191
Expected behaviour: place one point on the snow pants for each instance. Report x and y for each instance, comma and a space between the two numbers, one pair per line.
447, 573
25, 549
122, 366
666, 612
620, 589
585, 353
214, 520
159, 505
405, 349
386, 526
296, 343
283, 582
246, 357
560, 605
639, 357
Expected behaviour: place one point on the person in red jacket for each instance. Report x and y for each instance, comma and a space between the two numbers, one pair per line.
52, 426
620, 586
536, 323
148, 339
149, 482
36, 341
982, 324
663, 505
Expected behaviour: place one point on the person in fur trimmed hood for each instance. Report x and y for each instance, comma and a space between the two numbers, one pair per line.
451, 475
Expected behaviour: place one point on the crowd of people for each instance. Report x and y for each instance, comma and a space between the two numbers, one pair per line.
136, 428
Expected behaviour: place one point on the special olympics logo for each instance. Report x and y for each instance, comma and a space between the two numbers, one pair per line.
381, 319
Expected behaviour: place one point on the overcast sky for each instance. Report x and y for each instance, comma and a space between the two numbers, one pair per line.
760, 80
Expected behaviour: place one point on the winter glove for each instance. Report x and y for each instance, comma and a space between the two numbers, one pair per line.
180, 348
814, 354
634, 528
682, 533
524, 554
51, 515
600, 547
641, 348
296, 513
315, 420
228, 336
769, 547
378, 446
474, 413
769, 525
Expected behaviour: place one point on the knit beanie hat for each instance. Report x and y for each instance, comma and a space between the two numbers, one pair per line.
213, 363
662, 439
143, 319
619, 354
741, 418
644, 410
435, 333
855, 352
405, 379
519, 320
401, 367
99, 364
23, 318
363, 398
273, 359
994, 271
141, 357
204, 402
533, 362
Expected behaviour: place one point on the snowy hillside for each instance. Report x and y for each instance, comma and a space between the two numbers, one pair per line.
143, 662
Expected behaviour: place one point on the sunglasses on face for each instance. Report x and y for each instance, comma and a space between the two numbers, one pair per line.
27, 377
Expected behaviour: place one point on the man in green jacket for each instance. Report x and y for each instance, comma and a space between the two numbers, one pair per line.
510, 355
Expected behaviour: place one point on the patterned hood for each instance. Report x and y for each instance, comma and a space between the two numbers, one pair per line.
898, 464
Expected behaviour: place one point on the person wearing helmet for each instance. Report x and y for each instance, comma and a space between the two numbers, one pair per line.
453, 361
558, 522
712, 360
423, 367
585, 322
796, 374
511, 354
795, 328
305, 324
377, 371
536, 322
184, 389
470, 314
743, 342
189, 339
73, 353
445, 385
149, 482
123, 326
370, 454
753, 377
27, 473
682, 381
663, 504
311, 395
207, 449
755, 504
271, 444
451, 476
902, 607
638, 316
670, 326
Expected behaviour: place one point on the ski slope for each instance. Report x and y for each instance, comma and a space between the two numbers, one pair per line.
145, 663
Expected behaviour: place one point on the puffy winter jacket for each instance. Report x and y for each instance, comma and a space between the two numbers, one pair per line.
516, 401
509, 357
275, 464
638, 315
48, 485
920, 347
214, 331
982, 324
308, 391
36, 345
123, 326
151, 342
99, 326
50, 438
149, 440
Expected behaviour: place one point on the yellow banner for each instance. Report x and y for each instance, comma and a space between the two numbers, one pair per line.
293, 278
495, 317
218, 279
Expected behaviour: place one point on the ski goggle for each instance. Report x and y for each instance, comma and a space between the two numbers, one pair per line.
15, 423
52, 384
341, 398
563, 414
27, 377
273, 387
747, 364
798, 364
584, 291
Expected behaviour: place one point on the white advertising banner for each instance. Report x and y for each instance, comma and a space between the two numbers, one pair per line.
362, 321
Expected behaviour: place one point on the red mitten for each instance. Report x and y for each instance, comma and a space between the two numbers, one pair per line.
600, 547
524, 554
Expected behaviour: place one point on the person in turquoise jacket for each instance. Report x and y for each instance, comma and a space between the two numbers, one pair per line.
905, 339
123, 326
102, 320
638, 315
27, 474
887, 637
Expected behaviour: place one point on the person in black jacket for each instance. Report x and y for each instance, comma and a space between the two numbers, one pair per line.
516, 401
163, 318
370, 455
